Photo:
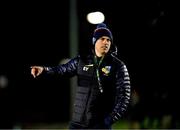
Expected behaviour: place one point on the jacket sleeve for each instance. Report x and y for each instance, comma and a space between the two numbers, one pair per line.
123, 91
68, 69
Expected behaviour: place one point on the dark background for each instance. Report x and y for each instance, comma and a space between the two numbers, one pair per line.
37, 33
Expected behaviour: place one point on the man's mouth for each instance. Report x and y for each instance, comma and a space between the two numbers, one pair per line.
104, 47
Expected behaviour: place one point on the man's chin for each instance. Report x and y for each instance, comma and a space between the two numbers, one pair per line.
105, 52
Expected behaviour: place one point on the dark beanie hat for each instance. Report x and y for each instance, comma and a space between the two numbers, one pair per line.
101, 30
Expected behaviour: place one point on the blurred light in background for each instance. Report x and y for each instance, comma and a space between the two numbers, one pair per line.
95, 17
3, 81
63, 61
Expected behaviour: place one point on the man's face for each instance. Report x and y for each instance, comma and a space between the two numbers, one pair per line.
102, 45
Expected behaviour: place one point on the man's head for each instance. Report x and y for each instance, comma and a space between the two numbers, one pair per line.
102, 39
101, 30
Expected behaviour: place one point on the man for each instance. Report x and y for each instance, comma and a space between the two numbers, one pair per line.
103, 91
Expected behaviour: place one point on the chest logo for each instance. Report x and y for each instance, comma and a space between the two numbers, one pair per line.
106, 70
86, 67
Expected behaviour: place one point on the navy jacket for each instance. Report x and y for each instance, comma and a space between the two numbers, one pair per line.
91, 105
